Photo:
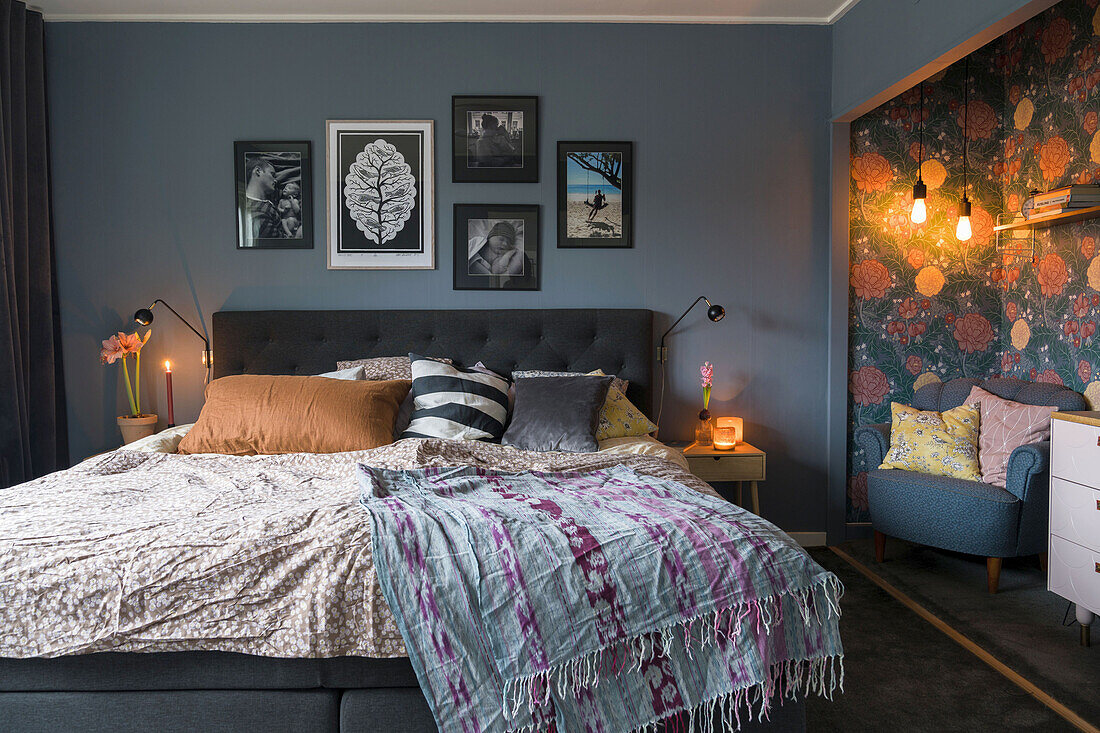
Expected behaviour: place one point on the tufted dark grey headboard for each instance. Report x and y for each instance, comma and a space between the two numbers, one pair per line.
619, 341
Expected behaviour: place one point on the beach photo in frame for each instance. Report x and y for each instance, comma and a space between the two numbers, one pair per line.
496, 247
380, 181
274, 194
494, 139
595, 194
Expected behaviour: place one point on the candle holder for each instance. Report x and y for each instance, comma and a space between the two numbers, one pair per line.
168, 390
728, 432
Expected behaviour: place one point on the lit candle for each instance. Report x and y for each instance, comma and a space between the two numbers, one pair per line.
168, 385
727, 432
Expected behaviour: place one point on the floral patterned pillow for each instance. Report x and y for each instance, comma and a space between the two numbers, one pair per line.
616, 383
382, 368
936, 443
619, 418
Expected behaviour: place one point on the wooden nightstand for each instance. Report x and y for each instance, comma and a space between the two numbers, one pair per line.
743, 463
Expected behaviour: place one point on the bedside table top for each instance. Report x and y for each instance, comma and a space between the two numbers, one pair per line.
1084, 417
741, 449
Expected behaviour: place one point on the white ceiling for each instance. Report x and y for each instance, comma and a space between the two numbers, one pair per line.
623, 11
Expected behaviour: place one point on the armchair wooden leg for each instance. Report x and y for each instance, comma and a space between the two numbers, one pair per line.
880, 546
993, 572
1043, 561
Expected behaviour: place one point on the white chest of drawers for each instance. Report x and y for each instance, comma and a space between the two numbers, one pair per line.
1073, 569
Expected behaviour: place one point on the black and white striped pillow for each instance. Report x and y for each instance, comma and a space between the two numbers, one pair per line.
457, 404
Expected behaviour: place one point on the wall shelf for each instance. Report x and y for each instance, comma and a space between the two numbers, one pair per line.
1065, 217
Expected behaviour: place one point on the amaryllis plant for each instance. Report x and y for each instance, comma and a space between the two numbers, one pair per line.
124, 346
707, 373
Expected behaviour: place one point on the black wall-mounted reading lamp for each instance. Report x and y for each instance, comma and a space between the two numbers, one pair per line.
144, 316
714, 313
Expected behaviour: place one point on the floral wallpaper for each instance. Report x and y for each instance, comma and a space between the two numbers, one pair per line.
1052, 82
925, 307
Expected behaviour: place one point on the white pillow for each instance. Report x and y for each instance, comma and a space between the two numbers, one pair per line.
166, 441
351, 373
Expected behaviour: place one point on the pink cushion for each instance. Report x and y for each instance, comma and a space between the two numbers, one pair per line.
1005, 426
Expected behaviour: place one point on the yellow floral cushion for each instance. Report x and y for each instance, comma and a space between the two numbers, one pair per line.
619, 418
942, 444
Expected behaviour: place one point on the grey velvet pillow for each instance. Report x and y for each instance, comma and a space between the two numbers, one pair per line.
557, 413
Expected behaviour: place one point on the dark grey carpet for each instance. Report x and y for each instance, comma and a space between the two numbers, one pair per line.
902, 674
1021, 625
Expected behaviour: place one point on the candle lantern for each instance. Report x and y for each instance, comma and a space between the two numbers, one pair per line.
728, 432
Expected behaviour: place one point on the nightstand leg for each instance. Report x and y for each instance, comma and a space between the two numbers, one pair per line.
755, 500
1085, 618
740, 503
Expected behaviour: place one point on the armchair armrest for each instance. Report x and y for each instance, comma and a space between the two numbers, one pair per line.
1029, 480
1028, 467
875, 442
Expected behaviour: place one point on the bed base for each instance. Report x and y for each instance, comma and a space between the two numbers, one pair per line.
377, 710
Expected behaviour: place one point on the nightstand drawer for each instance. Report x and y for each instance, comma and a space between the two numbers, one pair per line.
1075, 452
1075, 513
1074, 573
727, 468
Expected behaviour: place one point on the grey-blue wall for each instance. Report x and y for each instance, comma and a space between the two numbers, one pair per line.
879, 42
731, 135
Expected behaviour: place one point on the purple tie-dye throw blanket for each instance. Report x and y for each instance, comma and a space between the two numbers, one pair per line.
595, 601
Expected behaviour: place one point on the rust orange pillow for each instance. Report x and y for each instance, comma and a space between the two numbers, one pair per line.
251, 414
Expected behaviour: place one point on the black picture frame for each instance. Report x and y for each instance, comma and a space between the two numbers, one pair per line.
278, 210
520, 114
474, 224
608, 228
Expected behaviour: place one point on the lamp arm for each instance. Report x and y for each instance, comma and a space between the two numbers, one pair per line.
205, 341
661, 346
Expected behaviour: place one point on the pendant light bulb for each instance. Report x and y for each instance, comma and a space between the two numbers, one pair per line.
920, 210
963, 231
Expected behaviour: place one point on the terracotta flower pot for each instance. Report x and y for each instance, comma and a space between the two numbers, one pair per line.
134, 428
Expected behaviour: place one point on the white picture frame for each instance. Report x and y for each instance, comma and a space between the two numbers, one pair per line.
380, 191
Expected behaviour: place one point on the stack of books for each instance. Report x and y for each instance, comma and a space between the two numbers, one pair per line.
1062, 200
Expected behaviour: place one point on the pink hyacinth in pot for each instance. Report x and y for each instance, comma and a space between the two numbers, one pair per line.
125, 346
703, 431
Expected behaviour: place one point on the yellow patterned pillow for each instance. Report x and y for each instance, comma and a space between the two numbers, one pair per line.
619, 418
938, 443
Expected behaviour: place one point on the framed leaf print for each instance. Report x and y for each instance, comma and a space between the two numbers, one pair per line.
381, 187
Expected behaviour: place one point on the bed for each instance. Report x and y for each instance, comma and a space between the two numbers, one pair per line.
254, 658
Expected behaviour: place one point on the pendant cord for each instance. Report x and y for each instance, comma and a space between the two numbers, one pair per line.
966, 119
920, 145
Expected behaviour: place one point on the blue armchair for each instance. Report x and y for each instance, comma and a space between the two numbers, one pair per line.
967, 516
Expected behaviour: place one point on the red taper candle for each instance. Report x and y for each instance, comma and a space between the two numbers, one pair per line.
168, 385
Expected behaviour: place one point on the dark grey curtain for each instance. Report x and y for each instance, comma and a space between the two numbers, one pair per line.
33, 438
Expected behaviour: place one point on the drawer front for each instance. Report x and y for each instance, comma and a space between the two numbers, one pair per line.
1074, 573
1075, 452
727, 468
1075, 513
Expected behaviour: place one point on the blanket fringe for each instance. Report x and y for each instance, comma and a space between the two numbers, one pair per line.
787, 681
819, 602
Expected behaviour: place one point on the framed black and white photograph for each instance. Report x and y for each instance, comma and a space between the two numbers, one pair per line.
381, 190
495, 139
496, 247
595, 194
274, 194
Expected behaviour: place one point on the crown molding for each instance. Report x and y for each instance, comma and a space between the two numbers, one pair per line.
840, 11
441, 18
667, 19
